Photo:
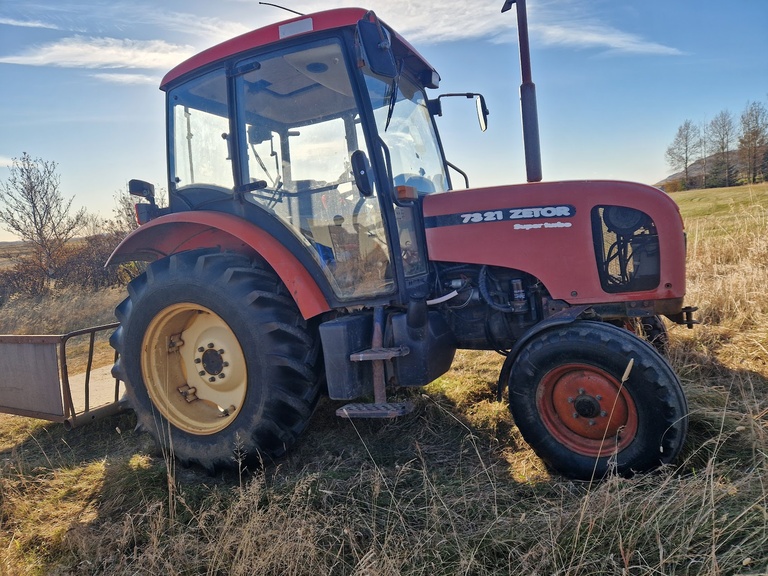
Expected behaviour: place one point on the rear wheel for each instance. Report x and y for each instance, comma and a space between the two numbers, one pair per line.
219, 365
591, 398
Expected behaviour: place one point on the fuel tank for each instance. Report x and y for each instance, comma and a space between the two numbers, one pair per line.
587, 242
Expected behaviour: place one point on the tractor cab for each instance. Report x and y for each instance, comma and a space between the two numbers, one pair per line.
329, 133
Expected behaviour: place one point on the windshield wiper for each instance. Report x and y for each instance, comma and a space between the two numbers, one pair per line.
393, 97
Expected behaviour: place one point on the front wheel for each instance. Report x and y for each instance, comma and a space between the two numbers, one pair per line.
590, 398
219, 365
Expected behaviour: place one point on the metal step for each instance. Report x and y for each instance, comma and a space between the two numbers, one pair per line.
373, 410
379, 354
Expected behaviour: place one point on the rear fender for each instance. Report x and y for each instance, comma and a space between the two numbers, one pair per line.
191, 230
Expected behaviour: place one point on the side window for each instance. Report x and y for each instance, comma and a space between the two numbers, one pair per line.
200, 133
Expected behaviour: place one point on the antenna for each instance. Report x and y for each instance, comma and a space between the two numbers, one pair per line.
281, 7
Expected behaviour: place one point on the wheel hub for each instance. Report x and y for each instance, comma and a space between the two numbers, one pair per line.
587, 406
587, 409
212, 361
194, 368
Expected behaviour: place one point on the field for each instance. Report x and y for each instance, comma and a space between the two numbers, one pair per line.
9, 250
449, 489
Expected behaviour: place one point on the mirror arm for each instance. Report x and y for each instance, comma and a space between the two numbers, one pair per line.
460, 171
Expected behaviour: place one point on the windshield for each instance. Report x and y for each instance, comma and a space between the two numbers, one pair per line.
410, 136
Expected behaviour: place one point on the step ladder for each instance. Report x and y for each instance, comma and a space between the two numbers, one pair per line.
377, 355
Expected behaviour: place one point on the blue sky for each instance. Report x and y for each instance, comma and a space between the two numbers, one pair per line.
615, 78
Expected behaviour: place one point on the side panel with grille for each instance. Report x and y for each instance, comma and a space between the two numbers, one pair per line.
626, 249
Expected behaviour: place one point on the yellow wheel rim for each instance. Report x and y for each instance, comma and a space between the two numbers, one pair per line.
194, 368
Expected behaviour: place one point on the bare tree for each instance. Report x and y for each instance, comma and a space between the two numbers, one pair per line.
703, 148
32, 208
722, 131
124, 217
684, 149
753, 139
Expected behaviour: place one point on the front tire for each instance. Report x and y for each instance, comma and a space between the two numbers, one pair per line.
571, 402
219, 365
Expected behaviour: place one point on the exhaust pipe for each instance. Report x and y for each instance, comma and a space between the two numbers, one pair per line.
528, 110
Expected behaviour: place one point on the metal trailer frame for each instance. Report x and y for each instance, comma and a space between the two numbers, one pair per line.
35, 380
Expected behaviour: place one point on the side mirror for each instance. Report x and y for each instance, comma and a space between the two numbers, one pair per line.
376, 46
482, 112
435, 107
361, 169
142, 189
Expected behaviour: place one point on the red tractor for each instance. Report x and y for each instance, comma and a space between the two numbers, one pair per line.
314, 241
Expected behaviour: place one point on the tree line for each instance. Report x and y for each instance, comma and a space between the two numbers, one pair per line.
62, 247
722, 152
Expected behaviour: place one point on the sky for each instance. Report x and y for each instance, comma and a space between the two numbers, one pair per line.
79, 80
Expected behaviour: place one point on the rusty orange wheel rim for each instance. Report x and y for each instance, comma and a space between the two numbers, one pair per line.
587, 410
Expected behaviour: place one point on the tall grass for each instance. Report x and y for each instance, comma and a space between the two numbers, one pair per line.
449, 489
63, 311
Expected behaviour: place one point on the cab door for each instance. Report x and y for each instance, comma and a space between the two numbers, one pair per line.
298, 124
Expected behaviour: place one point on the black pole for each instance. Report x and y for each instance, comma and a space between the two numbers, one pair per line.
528, 109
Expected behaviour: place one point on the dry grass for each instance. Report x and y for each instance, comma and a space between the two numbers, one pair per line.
65, 311
449, 489
12, 250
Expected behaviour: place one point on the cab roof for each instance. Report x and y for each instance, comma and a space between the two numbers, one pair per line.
308, 24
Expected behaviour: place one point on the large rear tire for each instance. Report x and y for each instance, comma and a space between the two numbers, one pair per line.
586, 412
219, 365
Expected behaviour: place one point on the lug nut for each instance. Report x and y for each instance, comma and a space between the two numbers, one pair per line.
591, 422
197, 360
212, 379
222, 375
201, 373
201, 349
221, 350
570, 400
210, 344
603, 413
575, 414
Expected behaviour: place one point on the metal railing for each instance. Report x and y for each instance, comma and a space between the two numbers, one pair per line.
35, 379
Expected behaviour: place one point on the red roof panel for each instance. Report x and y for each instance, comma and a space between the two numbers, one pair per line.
326, 20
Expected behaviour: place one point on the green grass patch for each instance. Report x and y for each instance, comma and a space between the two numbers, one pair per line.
724, 208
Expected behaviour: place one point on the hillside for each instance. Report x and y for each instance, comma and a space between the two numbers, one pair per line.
699, 168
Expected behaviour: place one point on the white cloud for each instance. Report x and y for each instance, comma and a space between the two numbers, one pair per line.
28, 24
5, 162
211, 29
571, 23
591, 35
127, 79
82, 52
428, 21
